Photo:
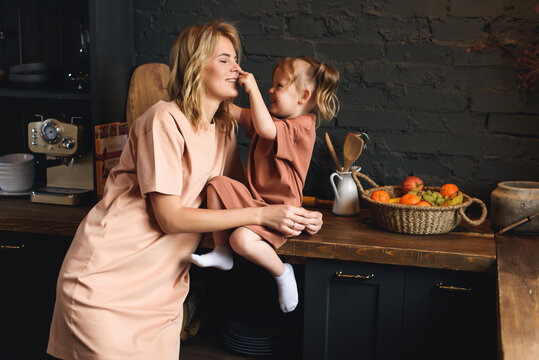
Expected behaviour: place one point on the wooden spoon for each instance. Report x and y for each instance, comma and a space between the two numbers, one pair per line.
352, 148
332, 153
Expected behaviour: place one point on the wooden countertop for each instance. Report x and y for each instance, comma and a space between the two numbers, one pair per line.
518, 296
344, 238
19, 214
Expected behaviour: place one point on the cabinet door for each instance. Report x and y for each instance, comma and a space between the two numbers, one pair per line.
352, 310
449, 315
29, 264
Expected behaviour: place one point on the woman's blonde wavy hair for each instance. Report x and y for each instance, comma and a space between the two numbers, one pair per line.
323, 80
189, 53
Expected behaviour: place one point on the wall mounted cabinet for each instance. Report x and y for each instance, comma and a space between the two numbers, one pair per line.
50, 32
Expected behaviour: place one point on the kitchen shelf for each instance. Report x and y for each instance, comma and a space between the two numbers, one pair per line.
43, 94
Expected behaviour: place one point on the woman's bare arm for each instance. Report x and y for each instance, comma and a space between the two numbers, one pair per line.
172, 217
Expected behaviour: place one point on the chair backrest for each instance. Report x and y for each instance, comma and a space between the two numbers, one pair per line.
148, 85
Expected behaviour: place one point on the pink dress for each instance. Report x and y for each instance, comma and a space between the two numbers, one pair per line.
276, 170
123, 281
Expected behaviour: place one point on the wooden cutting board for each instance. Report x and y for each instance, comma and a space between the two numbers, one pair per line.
148, 85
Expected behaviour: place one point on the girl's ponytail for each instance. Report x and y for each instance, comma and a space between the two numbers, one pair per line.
325, 93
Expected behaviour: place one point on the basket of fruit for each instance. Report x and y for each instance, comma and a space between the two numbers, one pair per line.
412, 208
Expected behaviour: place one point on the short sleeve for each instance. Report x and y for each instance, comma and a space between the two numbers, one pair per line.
159, 161
286, 136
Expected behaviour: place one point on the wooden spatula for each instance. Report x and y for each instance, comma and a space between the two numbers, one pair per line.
148, 85
333, 153
352, 148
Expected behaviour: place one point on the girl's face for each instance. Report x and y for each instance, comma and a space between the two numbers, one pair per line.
284, 96
220, 74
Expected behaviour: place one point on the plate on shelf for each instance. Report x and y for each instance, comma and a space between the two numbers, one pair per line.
28, 78
14, 193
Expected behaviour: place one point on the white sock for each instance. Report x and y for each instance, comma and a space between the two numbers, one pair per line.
288, 289
220, 257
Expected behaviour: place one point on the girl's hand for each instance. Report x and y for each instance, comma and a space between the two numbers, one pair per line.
247, 80
314, 222
291, 220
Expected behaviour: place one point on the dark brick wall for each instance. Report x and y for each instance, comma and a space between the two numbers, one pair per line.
430, 108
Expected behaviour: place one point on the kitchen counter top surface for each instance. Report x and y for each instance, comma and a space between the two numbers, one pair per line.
513, 258
344, 238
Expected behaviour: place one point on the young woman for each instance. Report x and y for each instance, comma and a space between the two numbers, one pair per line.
124, 279
281, 149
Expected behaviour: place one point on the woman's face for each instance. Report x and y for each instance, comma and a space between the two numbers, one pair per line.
220, 74
284, 96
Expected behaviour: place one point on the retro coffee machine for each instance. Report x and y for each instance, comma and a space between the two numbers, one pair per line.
66, 166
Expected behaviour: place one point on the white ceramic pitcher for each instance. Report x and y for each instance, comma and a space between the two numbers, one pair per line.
346, 194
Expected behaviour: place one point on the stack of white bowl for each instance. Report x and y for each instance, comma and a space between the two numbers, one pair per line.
17, 172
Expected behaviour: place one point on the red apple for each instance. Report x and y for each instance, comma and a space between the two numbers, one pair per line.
412, 183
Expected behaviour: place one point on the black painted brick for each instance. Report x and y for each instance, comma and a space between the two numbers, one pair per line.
374, 119
514, 124
486, 100
349, 51
432, 99
493, 78
449, 123
419, 53
458, 30
477, 8
278, 47
505, 170
306, 27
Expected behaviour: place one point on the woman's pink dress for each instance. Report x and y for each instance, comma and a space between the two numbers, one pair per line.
123, 281
276, 170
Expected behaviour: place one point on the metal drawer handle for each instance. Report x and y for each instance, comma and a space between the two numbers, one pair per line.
11, 247
339, 274
451, 288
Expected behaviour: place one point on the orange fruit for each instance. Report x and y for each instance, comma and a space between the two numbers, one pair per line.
448, 190
423, 203
409, 199
381, 196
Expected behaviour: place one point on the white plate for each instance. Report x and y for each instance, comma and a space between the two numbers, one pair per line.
13, 193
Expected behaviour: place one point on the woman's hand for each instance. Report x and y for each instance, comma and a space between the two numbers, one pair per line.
291, 220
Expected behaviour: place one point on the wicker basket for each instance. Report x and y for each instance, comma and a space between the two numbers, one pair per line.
418, 220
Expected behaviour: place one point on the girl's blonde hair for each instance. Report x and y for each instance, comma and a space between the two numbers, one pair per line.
323, 80
189, 53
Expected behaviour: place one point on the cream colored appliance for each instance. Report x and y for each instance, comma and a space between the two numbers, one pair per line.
69, 165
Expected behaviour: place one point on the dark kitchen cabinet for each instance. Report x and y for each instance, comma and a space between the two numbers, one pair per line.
352, 310
371, 311
29, 264
449, 315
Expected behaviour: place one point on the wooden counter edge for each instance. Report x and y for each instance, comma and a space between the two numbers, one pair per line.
518, 296
380, 254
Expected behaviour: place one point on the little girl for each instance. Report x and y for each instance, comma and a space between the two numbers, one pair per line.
279, 158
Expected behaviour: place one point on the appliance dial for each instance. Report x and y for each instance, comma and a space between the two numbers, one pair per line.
68, 142
51, 131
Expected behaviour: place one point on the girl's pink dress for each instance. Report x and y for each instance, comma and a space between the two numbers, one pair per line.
123, 281
276, 170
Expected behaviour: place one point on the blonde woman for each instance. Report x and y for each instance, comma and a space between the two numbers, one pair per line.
124, 279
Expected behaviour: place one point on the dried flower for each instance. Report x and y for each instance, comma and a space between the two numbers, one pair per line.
530, 57
530, 60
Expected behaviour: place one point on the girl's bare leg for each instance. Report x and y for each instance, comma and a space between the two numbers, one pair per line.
252, 247
221, 256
